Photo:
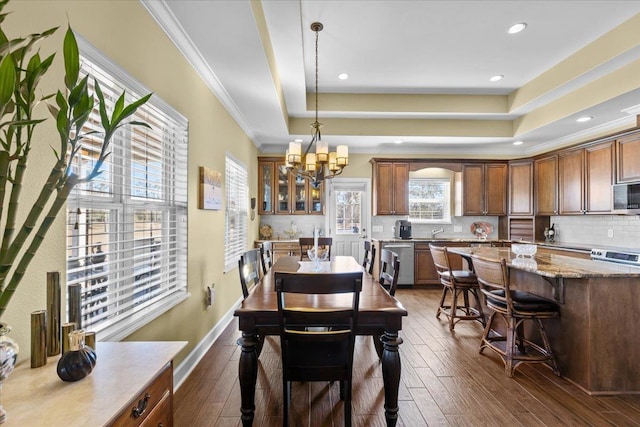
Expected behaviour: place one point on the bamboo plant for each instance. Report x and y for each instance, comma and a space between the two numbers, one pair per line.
21, 70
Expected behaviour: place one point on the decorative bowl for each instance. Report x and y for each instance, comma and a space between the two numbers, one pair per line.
322, 254
524, 249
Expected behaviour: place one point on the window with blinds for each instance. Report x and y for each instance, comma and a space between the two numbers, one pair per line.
429, 200
236, 212
127, 229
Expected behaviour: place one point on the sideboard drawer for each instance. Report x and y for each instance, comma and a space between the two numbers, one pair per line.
161, 415
146, 402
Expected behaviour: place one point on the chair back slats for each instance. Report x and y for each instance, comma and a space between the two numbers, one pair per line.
441, 261
249, 266
493, 278
306, 243
265, 256
369, 256
389, 270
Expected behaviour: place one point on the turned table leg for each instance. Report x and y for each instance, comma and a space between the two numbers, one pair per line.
248, 375
391, 376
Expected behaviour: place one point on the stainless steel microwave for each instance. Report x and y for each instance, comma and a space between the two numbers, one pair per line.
626, 198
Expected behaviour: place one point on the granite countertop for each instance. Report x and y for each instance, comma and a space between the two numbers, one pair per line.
552, 265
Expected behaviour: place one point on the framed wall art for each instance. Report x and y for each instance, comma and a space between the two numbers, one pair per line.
210, 191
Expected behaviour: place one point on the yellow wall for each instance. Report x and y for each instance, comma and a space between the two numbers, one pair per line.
124, 32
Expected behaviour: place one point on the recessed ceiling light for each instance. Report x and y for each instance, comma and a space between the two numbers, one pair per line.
518, 142
516, 28
398, 141
583, 119
343, 76
496, 78
297, 140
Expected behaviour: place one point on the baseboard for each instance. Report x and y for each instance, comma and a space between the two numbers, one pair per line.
182, 371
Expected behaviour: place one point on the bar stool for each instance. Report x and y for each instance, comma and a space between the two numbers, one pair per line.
514, 307
457, 282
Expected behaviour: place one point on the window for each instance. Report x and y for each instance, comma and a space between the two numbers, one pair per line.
127, 229
429, 200
348, 212
236, 212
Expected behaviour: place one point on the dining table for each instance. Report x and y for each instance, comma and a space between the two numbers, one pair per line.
379, 315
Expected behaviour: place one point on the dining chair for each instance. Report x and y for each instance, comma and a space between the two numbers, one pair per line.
306, 243
249, 269
369, 256
316, 339
389, 270
514, 307
457, 283
265, 256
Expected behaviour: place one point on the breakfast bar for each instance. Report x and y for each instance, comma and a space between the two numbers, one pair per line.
596, 337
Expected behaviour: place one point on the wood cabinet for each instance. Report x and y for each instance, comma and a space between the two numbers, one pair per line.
585, 180
391, 188
545, 172
281, 192
284, 249
521, 188
628, 158
484, 189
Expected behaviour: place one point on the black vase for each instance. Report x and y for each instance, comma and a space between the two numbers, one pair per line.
79, 361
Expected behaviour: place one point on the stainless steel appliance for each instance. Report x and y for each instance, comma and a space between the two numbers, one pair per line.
620, 257
626, 198
405, 255
403, 229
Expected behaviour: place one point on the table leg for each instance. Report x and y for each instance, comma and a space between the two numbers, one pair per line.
391, 376
248, 375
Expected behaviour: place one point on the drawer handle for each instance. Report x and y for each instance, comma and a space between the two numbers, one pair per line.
137, 411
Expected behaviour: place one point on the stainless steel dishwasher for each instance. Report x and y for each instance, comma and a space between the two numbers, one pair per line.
405, 255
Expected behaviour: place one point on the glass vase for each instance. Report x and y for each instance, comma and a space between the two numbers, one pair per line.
8, 355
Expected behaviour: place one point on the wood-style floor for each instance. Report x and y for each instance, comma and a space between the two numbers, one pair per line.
445, 382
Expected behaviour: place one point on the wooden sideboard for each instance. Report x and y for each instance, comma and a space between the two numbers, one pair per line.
126, 373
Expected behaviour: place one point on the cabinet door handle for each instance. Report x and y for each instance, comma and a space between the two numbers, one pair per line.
137, 411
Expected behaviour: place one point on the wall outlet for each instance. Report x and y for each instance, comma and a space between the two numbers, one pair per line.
377, 229
610, 232
457, 229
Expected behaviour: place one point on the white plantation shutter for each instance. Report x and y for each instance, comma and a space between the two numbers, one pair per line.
429, 200
236, 211
127, 229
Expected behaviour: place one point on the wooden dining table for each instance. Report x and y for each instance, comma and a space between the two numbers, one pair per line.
379, 315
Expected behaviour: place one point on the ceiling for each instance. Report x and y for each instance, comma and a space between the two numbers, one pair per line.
419, 70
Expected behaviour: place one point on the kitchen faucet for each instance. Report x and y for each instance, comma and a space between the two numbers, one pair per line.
438, 231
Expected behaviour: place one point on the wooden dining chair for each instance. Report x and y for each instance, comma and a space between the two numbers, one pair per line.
306, 243
317, 340
369, 256
514, 307
265, 256
249, 268
389, 270
457, 283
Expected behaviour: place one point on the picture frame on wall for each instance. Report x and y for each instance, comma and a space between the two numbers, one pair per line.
210, 189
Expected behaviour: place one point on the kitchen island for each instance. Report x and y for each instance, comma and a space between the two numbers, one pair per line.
597, 337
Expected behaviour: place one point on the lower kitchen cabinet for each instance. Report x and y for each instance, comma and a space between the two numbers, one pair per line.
282, 248
424, 269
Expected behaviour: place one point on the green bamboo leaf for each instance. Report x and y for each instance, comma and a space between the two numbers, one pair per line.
131, 108
137, 123
3, 36
77, 92
117, 109
104, 117
7, 79
71, 59
52, 109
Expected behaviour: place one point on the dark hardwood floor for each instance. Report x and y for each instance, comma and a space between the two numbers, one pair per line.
445, 382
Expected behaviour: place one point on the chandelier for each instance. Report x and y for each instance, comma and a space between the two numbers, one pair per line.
321, 164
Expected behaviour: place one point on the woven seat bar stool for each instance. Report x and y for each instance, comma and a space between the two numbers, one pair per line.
514, 307
457, 283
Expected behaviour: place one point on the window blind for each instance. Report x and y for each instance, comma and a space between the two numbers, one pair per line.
236, 212
127, 229
429, 200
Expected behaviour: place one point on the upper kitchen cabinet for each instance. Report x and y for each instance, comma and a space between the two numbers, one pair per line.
545, 172
283, 193
484, 189
628, 158
390, 188
585, 179
521, 188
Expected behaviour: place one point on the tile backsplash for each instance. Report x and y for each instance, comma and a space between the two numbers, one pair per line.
303, 223
621, 231
461, 223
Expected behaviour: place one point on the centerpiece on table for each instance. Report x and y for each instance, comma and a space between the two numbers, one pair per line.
21, 70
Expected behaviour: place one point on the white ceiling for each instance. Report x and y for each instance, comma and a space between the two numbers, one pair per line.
258, 57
